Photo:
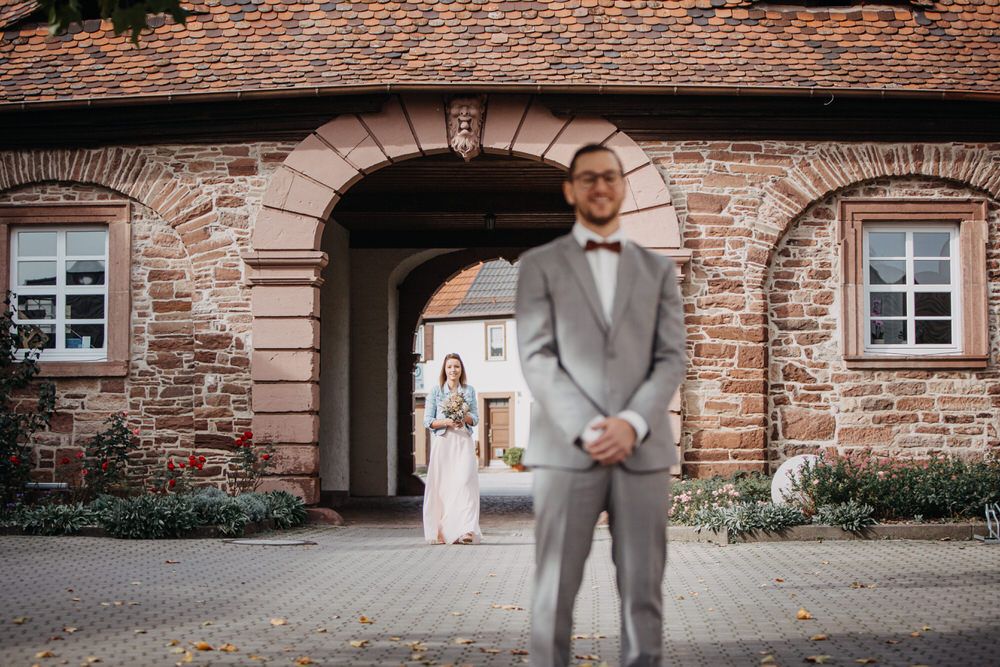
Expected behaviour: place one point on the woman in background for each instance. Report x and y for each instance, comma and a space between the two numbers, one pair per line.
451, 492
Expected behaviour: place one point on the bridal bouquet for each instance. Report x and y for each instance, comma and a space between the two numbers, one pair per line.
455, 407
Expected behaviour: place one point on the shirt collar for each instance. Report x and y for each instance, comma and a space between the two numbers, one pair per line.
582, 235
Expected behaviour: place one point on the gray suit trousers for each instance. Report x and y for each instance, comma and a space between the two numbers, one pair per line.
567, 506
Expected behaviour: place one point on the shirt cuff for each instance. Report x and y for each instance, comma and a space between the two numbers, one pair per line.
589, 432
638, 423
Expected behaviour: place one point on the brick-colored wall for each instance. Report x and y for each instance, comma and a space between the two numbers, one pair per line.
766, 379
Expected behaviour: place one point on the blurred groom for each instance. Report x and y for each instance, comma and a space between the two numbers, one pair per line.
601, 341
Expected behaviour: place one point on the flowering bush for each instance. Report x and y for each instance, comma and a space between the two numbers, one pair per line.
248, 465
19, 422
692, 495
105, 460
939, 487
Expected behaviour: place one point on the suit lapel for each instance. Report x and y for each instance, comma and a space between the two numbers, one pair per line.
585, 278
628, 267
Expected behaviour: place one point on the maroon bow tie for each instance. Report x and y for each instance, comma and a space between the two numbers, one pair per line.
613, 246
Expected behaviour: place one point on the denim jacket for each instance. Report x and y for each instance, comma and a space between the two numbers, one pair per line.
434, 407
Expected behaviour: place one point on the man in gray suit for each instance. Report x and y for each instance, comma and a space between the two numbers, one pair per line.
601, 340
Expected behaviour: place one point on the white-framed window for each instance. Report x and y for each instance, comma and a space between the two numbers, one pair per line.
58, 275
496, 341
418, 343
912, 289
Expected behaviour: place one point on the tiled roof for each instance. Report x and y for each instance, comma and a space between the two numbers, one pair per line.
254, 45
486, 289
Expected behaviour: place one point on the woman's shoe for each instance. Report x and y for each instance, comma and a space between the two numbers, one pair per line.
466, 539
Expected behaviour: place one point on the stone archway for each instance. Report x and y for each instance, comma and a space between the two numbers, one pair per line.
285, 263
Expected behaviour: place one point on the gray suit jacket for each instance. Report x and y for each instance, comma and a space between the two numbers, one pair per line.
579, 367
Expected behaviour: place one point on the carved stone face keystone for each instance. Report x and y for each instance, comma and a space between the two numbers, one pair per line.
465, 125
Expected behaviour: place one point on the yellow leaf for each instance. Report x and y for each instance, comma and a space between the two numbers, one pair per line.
119, 603
136, 583
278, 621
518, 652
45, 654
767, 660
19, 621
202, 646
914, 634
320, 629
364, 619
359, 643
463, 640
139, 632
55, 638
188, 657
891, 641
580, 637
818, 638
207, 623
456, 613
304, 660
228, 648
178, 650
818, 659
417, 657
70, 630
394, 639
258, 657
173, 642
866, 661
75, 600
803, 615
93, 660
488, 650
587, 657
925, 628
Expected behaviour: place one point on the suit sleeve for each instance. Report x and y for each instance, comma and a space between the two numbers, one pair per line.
669, 358
551, 386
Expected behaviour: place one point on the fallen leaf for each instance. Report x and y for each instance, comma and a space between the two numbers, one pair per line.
55, 638
417, 657
258, 657
491, 575
779, 580
188, 657
825, 562
75, 600
600, 636
133, 604
925, 628
93, 660
278, 621
178, 650
680, 597
516, 651
228, 648
171, 562
119, 603
304, 660
914, 634
456, 613
866, 661
207, 623
488, 650
767, 660
135, 583
803, 615
463, 640
818, 638
359, 643
818, 659
394, 639
580, 637
891, 641
69, 630
173, 642
19, 621
45, 654
511, 607
363, 619
320, 629
587, 657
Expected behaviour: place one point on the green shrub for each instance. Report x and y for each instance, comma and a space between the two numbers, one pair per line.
255, 505
214, 508
56, 519
106, 461
512, 456
852, 516
934, 488
19, 419
150, 517
287, 510
689, 496
742, 518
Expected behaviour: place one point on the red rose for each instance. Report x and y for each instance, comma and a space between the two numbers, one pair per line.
135, 431
248, 434
265, 456
202, 459
65, 460
104, 465
79, 455
170, 466
184, 465
200, 466
239, 442
14, 460
192, 458
173, 483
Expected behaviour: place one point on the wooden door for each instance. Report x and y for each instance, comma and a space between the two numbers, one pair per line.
497, 427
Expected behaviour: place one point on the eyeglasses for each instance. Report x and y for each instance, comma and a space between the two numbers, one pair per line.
588, 179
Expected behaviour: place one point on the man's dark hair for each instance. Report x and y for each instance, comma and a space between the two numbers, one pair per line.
590, 148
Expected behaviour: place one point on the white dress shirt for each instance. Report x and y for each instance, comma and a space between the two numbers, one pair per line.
604, 267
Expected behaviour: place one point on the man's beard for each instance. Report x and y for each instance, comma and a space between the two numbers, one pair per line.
598, 221
464, 143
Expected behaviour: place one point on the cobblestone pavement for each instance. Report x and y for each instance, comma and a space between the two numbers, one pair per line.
899, 602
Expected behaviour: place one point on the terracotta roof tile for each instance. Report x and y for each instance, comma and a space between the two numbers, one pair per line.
242, 46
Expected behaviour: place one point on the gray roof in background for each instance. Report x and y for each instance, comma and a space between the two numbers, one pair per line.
492, 292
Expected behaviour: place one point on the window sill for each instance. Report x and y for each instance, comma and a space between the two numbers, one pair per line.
957, 361
82, 368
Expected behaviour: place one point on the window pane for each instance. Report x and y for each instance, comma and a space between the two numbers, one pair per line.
884, 272
931, 244
90, 243
932, 304
888, 332
32, 335
933, 332
85, 306
887, 244
85, 272
36, 307
36, 244
85, 336
932, 272
36, 273
890, 304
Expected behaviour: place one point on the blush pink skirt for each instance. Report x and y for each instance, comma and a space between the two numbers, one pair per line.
451, 492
